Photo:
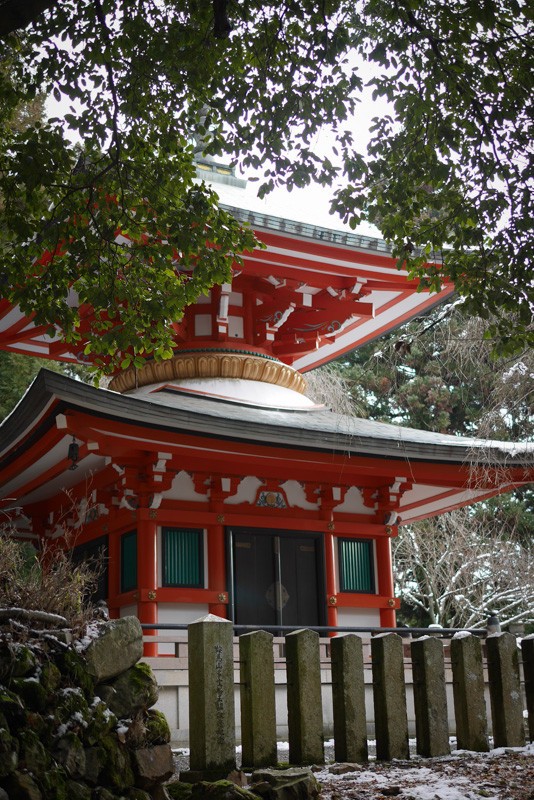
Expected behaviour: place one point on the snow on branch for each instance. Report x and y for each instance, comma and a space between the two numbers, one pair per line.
457, 567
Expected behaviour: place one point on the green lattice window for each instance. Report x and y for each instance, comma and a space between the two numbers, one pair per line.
356, 565
183, 557
129, 561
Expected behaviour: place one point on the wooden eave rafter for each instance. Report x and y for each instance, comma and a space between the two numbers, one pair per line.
322, 251
294, 262
408, 517
36, 444
345, 343
126, 440
264, 263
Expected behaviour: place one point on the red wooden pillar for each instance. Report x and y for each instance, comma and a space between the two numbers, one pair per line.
385, 581
327, 513
217, 570
147, 574
330, 566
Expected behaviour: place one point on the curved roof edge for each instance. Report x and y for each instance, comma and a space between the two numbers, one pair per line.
312, 429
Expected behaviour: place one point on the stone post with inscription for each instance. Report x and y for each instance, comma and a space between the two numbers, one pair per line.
527, 649
211, 699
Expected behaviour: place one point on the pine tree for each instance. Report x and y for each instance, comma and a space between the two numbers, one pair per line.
438, 374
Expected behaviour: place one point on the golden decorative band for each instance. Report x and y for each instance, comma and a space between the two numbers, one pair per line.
210, 365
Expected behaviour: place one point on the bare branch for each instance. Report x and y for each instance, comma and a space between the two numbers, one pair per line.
457, 569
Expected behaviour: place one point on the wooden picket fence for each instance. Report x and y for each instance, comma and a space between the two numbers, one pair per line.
211, 698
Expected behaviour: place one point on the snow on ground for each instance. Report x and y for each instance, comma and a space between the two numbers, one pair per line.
501, 774
419, 783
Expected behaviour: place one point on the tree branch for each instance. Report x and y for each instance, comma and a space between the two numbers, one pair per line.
7, 614
16, 14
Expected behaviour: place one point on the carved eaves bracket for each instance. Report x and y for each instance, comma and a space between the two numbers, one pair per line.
385, 500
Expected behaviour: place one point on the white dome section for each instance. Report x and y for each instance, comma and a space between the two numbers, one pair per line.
237, 390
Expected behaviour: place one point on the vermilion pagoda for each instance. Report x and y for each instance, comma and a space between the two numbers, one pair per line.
212, 481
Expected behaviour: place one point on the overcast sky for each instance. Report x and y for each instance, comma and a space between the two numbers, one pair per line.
311, 204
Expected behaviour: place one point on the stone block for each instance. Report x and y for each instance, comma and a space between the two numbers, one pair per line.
157, 729
258, 720
117, 771
468, 691
343, 769
8, 752
348, 699
78, 791
288, 784
304, 703
204, 790
21, 786
158, 792
505, 691
389, 697
430, 697
118, 646
16, 660
139, 794
32, 754
70, 754
94, 760
136, 690
152, 765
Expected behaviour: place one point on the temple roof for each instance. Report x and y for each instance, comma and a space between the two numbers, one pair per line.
316, 427
437, 471
311, 295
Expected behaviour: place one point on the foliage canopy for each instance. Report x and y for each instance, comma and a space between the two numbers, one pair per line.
18, 371
149, 83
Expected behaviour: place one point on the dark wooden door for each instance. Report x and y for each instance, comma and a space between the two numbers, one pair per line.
254, 574
277, 578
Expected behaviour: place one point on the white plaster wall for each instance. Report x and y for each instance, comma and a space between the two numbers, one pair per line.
297, 497
178, 614
353, 503
202, 324
358, 617
246, 491
183, 488
235, 327
181, 613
